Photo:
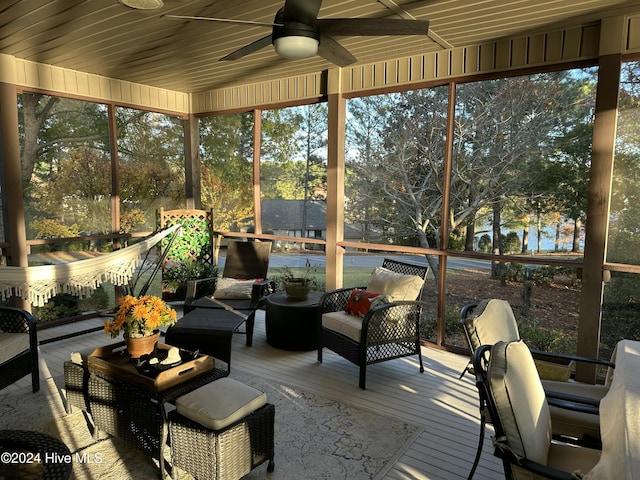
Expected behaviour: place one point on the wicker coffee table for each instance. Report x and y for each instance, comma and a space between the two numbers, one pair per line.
132, 406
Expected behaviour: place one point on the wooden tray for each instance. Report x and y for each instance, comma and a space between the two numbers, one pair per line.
115, 362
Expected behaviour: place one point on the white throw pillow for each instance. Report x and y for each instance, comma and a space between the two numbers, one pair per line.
233, 289
396, 285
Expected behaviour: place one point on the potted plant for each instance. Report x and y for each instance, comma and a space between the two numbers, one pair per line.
176, 276
297, 287
139, 320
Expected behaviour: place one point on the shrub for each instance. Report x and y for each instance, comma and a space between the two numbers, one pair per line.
546, 339
62, 305
484, 244
176, 276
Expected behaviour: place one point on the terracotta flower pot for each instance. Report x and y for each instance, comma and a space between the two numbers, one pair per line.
140, 346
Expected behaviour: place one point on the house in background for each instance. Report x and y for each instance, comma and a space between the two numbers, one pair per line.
287, 217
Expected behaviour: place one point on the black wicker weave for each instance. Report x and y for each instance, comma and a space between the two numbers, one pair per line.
388, 331
76, 383
134, 415
15, 320
53, 456
226, 454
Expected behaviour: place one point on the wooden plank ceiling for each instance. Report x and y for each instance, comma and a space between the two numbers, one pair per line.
105, 37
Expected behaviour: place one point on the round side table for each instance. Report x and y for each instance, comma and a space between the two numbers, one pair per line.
293, 324
37, 455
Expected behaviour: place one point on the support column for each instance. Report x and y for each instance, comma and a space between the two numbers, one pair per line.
335, 179
257, 145
12, 198
604, 138
192, 178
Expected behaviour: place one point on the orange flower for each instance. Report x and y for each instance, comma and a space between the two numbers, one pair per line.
139, 317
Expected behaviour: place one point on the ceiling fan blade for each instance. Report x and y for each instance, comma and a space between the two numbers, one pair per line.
302, 9
247, 49
331, 50
372, 26
225, 20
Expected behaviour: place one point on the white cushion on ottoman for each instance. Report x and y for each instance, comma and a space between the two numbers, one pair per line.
220, 403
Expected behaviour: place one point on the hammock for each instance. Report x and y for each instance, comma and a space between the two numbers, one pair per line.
80, 278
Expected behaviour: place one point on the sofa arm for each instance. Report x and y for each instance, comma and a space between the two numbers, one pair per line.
336, 300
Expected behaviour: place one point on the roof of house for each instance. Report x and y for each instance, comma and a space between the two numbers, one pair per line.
288, 214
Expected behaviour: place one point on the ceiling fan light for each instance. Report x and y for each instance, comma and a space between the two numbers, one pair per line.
143, 4
295, 46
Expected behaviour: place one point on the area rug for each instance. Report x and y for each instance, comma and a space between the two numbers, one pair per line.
316, 438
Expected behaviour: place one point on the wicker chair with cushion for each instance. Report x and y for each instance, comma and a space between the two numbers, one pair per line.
18, 347
379, 322
243, 286
573, 405
511, 392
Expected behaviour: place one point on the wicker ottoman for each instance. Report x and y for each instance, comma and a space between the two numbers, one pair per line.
76, 380
222, 431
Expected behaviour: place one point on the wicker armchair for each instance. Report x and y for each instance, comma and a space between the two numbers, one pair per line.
18, 347
386, 331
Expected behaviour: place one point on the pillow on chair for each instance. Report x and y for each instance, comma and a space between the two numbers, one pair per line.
359, 302
233, 289
396, 285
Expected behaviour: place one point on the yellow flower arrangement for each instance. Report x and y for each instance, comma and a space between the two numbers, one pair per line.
139, 317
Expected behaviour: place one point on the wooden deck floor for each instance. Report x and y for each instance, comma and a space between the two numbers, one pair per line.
443, 405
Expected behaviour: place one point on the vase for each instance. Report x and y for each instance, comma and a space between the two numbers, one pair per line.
297, 288
140, 346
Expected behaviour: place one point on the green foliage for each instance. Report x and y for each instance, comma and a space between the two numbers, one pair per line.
316, 274
511, 243
546, 339
62, 305
539, 275
193, 242
620, 311
176, 276
514, 272
99, 300
456, 240
429, 326
484, 244
49, 228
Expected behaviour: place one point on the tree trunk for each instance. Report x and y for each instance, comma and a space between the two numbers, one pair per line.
496, 267
577, 227
470, 236
525, 239
539, 228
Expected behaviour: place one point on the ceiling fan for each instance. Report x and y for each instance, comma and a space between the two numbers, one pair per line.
297, 32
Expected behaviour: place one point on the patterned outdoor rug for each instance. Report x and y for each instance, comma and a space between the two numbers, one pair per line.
315, 437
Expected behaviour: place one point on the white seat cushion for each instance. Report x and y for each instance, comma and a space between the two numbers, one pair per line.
12, 344
396, 285
520, 400
341, 322
220, 403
